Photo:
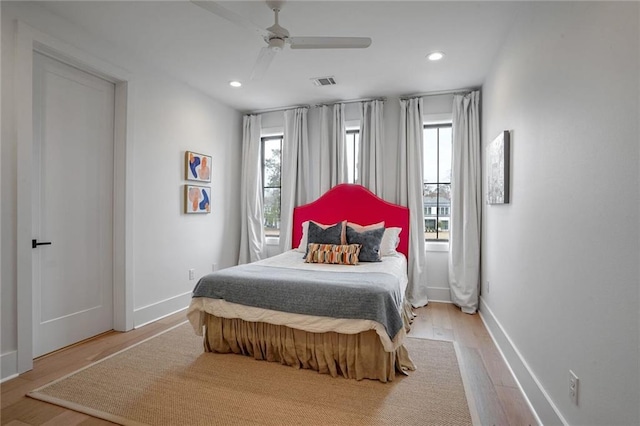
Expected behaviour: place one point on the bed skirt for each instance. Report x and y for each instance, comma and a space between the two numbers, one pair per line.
354, 356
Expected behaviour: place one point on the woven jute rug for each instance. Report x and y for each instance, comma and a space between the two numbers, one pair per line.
169, 380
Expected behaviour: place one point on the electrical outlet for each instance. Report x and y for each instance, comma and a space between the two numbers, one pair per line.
214, 267
573, 387
487, 286
192, 274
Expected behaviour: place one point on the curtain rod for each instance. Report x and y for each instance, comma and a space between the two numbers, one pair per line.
262, 111
350, 101
441, 92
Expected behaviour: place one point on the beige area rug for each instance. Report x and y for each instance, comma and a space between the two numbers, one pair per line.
169, 380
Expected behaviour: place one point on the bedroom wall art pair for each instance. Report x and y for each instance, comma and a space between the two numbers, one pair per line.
197, 198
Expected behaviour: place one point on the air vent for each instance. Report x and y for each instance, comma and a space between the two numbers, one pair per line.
324, 81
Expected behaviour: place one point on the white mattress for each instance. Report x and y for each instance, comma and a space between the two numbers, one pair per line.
394, 265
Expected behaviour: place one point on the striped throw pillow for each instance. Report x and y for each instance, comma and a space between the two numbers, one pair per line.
333, 253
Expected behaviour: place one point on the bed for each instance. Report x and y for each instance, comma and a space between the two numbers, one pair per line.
338, 319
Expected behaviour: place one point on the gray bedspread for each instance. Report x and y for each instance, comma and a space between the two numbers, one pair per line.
367, 295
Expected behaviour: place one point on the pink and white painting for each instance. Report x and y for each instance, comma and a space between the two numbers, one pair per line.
197, 199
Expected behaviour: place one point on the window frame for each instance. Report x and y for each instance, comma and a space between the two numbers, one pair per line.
263, 140
356, 150
438, 126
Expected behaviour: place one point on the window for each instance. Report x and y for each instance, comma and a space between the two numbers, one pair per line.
353, 151
271, 161
436, 193
271, 171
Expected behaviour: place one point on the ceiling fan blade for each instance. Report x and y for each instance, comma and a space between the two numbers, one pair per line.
227, 14
329, 42
262, 64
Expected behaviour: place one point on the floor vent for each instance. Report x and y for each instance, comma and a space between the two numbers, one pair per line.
324, 81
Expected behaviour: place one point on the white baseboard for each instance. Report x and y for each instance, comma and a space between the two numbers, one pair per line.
439, 294
541, 405
8, 366
155, 311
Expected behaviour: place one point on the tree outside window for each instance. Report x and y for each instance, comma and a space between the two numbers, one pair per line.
271, 184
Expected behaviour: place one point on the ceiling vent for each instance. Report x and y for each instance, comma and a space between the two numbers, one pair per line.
324, 81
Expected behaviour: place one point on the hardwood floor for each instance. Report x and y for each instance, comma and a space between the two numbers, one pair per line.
18, 410
497, 397
494, 391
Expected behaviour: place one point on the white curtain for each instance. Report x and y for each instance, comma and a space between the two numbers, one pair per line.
409, 193
333, 150
252, 239
371, 141
294, 160
466, 203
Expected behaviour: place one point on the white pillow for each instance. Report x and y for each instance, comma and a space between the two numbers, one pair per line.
303, 240
390, 241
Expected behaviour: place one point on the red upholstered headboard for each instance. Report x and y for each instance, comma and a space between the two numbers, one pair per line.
354, 203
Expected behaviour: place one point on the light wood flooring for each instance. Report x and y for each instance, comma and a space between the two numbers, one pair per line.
497, 397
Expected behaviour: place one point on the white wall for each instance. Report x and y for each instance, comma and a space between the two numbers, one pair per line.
562, 257
434, 106
8, 298
169, 118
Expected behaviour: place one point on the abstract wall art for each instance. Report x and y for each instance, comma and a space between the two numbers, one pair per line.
498, 155
197, 167
197, 199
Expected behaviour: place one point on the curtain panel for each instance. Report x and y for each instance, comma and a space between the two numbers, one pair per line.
409, 193
371, 150
252, 240
333, 149
466, 203
295, 160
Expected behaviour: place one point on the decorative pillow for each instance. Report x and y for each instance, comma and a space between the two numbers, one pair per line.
361, 228
390, 238
330, 235
331, 253
370, 240
390, 241
302, 247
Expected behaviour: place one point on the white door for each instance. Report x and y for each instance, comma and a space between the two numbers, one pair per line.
72, 204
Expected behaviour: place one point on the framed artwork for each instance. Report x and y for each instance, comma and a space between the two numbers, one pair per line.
197, 167
498, 155
197, 199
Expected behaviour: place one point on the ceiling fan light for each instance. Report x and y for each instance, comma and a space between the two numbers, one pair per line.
435, 56
276, 44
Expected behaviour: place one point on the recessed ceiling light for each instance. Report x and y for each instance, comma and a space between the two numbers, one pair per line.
435, 56
235, 83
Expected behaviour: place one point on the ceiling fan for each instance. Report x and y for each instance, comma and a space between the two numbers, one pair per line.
278, 37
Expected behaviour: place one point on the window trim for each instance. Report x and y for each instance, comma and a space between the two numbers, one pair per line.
355, 158
269, 239
438, 126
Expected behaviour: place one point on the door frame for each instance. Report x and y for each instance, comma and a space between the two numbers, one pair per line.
29, 40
